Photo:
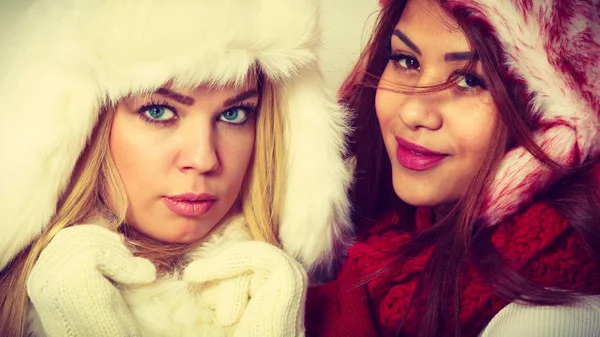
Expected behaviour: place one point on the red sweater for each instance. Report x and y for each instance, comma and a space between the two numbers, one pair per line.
537, 243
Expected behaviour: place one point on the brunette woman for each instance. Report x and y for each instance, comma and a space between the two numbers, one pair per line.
476, 151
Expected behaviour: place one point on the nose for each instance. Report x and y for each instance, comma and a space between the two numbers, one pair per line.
198, 150
421, 110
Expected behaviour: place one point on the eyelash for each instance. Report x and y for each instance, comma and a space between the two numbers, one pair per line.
464, 76
395, 58
160, 104
249, 108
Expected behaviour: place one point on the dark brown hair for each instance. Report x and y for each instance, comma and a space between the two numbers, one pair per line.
459, 234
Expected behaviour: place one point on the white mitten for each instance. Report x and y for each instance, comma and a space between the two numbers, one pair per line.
262, 284
71, 284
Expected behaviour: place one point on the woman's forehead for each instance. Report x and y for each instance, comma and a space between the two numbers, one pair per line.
427, 21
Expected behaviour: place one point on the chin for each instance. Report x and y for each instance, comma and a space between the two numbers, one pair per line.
419, 202
183, 235
413, 198
424, 200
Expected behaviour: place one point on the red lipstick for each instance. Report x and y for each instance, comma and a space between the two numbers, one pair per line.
415, 157
190, 204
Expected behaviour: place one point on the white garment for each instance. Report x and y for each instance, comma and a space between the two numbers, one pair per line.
72, 284
176, 306
523, 320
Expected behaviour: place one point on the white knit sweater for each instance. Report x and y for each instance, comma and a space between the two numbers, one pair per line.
522, 320
172, 306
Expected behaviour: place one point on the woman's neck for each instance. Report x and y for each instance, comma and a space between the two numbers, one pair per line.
441, 211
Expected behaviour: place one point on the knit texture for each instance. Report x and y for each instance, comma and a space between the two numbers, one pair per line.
340, 308
70, 284
232, 286
537, 243
522, 320
259, 285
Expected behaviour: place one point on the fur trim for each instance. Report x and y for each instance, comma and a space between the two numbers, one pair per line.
554, 47
331, 180
62, 61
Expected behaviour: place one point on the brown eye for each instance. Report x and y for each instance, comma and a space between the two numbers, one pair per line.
470, 81
405, 61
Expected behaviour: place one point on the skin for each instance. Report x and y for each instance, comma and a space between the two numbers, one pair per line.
459, 122
175, 141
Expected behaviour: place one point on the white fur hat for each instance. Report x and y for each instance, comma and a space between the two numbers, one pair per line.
61, 60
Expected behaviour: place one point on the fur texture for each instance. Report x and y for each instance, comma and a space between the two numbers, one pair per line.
62, 61
554, 47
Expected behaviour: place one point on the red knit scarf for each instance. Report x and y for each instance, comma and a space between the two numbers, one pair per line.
538, 244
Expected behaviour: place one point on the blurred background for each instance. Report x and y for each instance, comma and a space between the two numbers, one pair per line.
347, 24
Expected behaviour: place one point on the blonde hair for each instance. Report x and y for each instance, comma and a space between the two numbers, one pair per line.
89, 194
264, 181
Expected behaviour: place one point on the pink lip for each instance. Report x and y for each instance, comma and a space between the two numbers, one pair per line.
415, 157
190, 204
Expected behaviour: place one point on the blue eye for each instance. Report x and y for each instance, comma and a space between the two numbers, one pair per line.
236, 115
158, 113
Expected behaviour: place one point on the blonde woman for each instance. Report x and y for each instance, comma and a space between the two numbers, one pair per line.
157, 155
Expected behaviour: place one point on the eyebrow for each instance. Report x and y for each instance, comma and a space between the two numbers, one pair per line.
461, 56
240, 97
186, 100
407, 41
454, 56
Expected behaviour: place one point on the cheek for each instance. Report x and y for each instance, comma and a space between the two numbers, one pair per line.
138, 154
474, 133
386, 103
122, 145
235, 151
384, 108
